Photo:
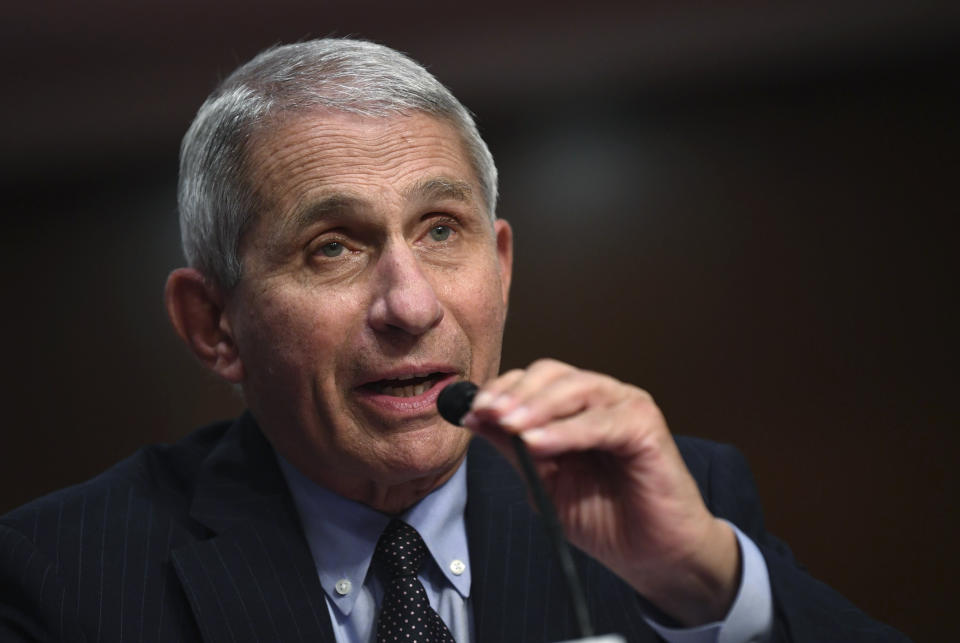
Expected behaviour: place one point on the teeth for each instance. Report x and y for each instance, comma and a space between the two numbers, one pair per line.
411, 377
406, 391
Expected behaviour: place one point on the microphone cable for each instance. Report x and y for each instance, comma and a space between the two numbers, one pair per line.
454, 403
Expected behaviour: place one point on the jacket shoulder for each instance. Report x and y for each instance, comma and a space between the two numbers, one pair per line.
161, 475
66, 555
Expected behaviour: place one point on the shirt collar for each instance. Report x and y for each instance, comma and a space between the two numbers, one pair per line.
342, 534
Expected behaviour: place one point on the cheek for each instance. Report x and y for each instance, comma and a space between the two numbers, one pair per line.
290, 333
480, 308
323, 337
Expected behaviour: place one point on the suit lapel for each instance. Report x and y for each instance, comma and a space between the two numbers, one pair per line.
254, 579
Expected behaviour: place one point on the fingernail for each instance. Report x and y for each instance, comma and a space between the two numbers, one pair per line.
483, 399
501, 403
516, 417
533, 437
470, 420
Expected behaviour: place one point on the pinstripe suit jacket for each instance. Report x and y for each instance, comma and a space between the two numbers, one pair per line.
200, 541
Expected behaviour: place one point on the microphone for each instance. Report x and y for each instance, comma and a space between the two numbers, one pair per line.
453, 404
455, 400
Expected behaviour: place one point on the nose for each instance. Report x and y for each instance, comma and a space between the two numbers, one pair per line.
404, 298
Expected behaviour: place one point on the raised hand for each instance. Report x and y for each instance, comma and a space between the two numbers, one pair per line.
619, 484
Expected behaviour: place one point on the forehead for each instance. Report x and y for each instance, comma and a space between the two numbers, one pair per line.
306, 155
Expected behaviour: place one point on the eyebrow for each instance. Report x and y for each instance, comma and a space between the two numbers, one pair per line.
440, 188
325, 208
435, 188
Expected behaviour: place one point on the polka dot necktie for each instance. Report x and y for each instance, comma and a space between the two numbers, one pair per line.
405, 614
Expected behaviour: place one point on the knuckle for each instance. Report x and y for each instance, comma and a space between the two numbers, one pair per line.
606, 385
504, 381
640, 401
548, 364
644, 395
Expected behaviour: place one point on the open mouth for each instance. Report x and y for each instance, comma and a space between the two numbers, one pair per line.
411, 386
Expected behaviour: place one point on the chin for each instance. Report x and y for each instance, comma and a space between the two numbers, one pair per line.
420, 454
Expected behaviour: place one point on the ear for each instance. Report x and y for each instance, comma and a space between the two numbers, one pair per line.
196, 309
504, 234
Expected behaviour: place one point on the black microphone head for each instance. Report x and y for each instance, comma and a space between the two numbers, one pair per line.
455, 399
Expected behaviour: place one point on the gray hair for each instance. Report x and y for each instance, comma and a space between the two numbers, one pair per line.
217, 201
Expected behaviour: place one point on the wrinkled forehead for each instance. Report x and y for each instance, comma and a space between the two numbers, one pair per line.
323, 148
323, 160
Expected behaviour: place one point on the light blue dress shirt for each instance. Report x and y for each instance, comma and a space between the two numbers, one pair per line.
342, 535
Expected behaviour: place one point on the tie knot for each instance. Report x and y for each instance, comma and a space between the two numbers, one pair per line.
400, 549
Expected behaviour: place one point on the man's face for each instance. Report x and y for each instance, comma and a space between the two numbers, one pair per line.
373, 276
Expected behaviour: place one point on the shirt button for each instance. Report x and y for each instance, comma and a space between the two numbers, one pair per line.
343, 586
457, 567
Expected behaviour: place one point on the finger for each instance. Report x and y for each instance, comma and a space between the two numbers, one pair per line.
480, 418
623, 429
496, 387
564, 396
509, 395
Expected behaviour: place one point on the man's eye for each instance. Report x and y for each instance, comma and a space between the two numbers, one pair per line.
332, 249
440, 232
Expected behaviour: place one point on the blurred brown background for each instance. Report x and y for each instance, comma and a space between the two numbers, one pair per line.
745, 207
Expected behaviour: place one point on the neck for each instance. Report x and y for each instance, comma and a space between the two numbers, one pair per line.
391, 498
396, 498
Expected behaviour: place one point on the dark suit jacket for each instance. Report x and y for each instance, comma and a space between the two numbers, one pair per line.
201, 541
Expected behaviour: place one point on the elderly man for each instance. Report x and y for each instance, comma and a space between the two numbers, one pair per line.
345, 264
